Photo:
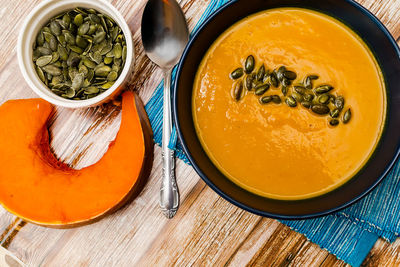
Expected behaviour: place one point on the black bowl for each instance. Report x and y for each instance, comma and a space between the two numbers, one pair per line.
387, 53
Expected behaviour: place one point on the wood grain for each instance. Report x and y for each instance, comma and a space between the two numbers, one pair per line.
206, 231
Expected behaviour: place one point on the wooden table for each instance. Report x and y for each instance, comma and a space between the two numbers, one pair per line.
207, 229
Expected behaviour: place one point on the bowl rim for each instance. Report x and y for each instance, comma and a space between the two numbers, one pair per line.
29, 73
202, 175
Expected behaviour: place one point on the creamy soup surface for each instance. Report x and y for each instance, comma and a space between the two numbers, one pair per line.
281, 152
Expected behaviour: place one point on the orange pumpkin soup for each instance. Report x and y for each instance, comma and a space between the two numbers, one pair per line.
274, 150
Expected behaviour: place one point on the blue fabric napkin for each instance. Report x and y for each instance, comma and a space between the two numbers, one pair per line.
350, 233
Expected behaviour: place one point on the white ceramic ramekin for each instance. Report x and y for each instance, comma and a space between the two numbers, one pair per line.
39, 16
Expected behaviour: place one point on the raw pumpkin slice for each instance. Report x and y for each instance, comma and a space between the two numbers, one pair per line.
35, 186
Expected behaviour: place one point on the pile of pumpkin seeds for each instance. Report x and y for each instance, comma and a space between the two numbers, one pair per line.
319, 99
80, 53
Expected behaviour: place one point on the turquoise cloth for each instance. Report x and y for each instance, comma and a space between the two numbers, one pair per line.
350, 233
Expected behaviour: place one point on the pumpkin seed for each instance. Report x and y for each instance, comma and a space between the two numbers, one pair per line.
62, 52
306, 104
238, 90
43, 60
284, 90
52, 70
335, 113
81, 42
279, 73
102, 71
276, 99
237, 73
99, 37
298, 97
291, 102
249, 82
55, 28
320, 109
91, 90
117, 50
112, 76
339, 102
260, 73
308, 83
78, 20
290, 75
322, 89
300, 89
108, 60
346, 116
265, 99
334, 122
76, 49
69, 93
308, 97
261, 89
286, 82
323, 99
273, 79
249, 64
40, 73
313, 77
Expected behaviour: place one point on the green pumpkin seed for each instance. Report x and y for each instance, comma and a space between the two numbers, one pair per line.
62, 52
84, 28
102, 71
81, 42
306, 104
276, 99
339, 102
69, 93
335, 113
237, 73
55, 28
300, 89
91, 90
261, 89
66, 20
238, 90
77, 81
99, 37
320, 109
94, 18
322, 89
78, 20
324, 99
298, 97
346, 116
308, 97
313, 77
279, 73
117, 50
124, 53
249, 82
69, 38
290, 75
260, 73
265, 99
286, 82
52, 70
40, 73
284, 90
249, 64
334, 122
308, 83
40, 39
291, 102
108, 60
43, 60
112, 76
273, 79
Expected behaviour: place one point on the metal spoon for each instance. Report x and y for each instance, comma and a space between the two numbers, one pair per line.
164, 35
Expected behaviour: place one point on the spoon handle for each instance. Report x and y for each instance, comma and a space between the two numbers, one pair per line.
169, 194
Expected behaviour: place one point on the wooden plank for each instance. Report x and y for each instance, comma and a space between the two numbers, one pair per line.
206, 231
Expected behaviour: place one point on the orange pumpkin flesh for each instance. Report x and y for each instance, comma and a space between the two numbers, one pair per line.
35, 186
